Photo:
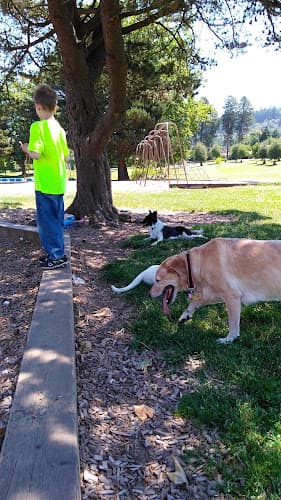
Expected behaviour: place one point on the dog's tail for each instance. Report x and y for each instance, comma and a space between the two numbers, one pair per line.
133, 284
193, 233
198, 231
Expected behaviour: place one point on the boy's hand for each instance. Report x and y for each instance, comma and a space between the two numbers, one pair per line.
23, 146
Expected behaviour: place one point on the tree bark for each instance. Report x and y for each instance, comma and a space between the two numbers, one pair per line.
121, 155
122, 170
89, 131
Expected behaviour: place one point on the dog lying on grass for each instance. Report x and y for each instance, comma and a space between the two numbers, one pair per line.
159, 231
147, 276
230, 270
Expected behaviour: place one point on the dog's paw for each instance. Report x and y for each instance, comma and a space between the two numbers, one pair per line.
226, 340
184, 317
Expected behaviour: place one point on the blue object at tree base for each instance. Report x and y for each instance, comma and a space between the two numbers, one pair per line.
69, 219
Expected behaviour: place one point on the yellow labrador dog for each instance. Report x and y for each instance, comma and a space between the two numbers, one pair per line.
230, 270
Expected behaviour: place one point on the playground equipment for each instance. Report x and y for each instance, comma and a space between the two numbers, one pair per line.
159, 156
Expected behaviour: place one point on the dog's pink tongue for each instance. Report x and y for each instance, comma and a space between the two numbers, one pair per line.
165, 305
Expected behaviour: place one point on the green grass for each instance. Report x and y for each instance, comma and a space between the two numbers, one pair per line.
236, 388
247, 170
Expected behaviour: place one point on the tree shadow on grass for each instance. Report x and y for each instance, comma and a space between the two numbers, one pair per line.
240, 215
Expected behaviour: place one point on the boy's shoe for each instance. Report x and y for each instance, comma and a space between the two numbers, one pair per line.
45, 258
54, 263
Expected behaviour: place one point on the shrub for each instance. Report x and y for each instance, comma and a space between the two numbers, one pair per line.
262, 151
200, 152
240, 151
274, 150
215, 152
218, 160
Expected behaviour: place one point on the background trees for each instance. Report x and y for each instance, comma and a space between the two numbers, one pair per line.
228, 119
207, 124
244, 118
236, 120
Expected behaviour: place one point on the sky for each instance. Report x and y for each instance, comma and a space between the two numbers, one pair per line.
255, 74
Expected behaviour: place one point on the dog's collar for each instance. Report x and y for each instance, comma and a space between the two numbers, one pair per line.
190, 283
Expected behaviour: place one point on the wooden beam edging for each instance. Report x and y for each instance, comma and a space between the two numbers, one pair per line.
39, 459
15, 231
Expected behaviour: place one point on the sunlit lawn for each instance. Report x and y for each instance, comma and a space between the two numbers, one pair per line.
247, 170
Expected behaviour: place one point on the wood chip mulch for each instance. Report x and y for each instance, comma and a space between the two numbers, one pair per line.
131, 442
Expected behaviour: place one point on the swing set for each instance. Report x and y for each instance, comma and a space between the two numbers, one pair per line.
159, 156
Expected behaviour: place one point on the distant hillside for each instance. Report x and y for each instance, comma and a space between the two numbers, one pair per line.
269, 117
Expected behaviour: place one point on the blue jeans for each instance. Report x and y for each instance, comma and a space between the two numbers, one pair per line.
50, 223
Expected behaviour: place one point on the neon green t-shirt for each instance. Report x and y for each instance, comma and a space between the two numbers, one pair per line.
48, 139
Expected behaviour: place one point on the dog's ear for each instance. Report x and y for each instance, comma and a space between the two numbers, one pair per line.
173, 270
178, 265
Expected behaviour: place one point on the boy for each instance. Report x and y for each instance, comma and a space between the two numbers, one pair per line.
48, 148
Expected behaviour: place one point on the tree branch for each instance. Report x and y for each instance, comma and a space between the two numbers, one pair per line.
116, 65
61, 15
31, 44
169, 9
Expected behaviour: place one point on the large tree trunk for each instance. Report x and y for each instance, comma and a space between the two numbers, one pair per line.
94, 195
89, 130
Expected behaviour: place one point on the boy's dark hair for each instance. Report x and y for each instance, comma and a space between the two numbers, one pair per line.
46, 96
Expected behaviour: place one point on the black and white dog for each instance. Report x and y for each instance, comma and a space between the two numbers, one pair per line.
159, 231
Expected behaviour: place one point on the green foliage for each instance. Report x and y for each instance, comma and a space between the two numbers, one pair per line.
228, 119
254, 137
218, 160
274, 150
255, 150
265, 134
236, 120
244, 119
135, 126
240, 151
199, 152
215, 152
5, 148
199, 120
262, 150
207, 128
18, 112
161, 75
